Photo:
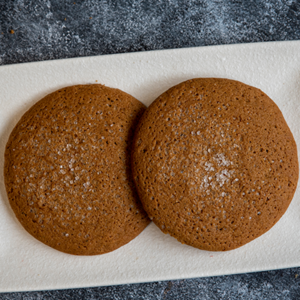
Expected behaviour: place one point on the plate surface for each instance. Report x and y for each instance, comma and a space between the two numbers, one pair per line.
26, 264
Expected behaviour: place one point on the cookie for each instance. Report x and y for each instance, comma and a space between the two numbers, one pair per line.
214, 162
67, 170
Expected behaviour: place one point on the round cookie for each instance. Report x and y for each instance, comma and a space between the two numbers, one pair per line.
214, 163
67, 170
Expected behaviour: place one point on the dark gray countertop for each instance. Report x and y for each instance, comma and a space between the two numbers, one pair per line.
35, 30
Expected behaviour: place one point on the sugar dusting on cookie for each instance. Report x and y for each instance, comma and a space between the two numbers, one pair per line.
66, 170
215, 163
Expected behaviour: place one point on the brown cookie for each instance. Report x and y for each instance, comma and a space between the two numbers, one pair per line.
67, 170
214, 163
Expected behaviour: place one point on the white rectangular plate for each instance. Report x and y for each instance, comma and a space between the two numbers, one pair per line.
27, 264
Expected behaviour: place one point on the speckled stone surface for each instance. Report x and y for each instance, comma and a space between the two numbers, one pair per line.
51, 29
42, 29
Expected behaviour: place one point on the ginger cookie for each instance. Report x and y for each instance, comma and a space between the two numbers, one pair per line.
215, 163
67, 170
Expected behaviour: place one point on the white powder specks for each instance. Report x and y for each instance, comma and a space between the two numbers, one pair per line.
217, 174
221, 160
223, 176
86, 184
208, 167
